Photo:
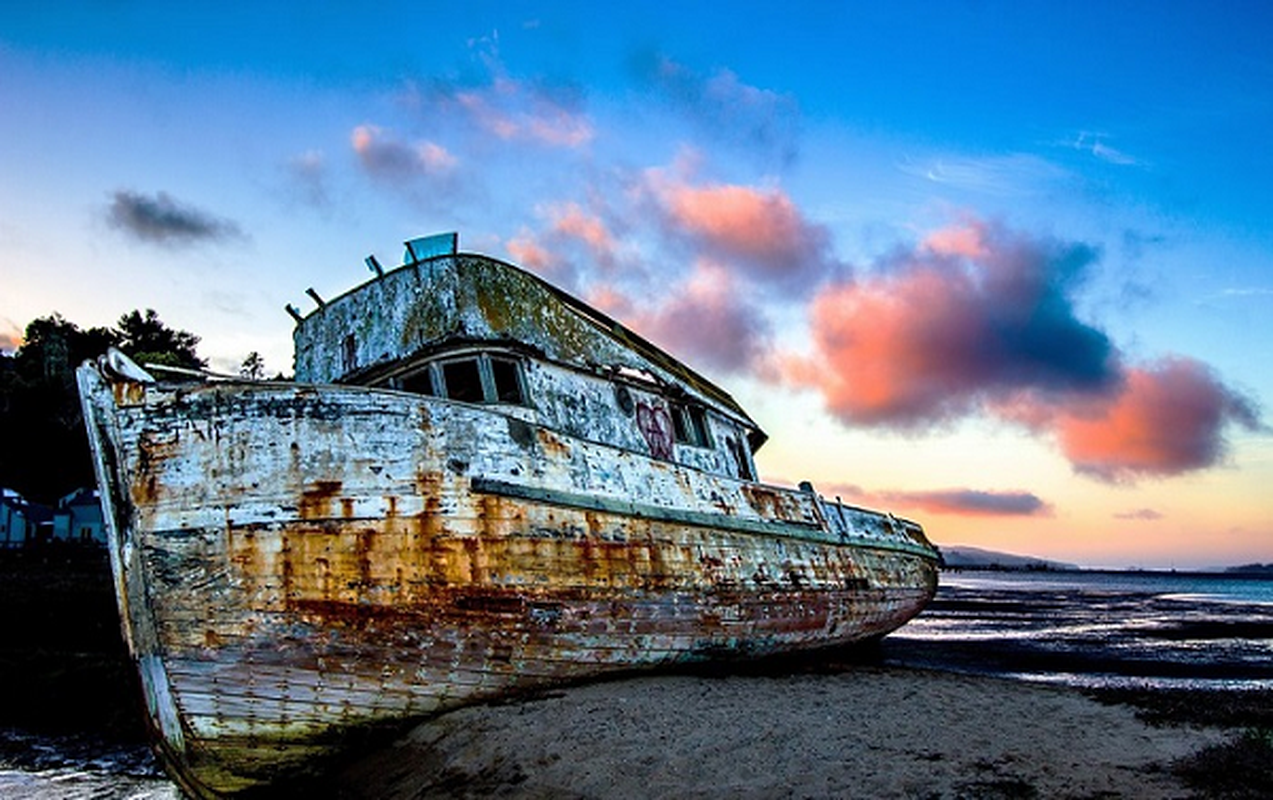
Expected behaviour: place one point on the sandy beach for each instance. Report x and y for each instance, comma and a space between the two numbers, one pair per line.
865, 731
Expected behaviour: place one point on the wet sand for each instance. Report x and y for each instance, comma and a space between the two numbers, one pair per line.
865, 731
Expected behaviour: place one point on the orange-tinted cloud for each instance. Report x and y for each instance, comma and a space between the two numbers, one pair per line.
978, 319
1167, 419
10, 339
940, 333
760, 231
526, 251
573, 235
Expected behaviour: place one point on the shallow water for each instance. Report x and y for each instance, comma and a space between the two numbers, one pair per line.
1081, 629
34, 767
1097, 629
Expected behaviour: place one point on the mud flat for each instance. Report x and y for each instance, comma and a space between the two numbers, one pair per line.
866, 731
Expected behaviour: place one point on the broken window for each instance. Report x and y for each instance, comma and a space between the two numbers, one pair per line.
481, 378
463, 380
420, 382
349, 353
689, 423
507, 381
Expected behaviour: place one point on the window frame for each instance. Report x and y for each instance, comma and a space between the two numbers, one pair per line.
433, 373
689, 425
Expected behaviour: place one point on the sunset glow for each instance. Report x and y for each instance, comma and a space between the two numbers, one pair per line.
1009, 274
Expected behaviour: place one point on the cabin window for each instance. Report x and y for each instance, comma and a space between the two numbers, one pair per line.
463, 380
507, 380
420, 382
349, 353
689, 423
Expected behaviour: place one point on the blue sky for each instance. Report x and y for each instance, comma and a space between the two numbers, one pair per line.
1004, 267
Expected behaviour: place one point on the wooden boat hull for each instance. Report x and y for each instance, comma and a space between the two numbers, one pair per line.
294, 563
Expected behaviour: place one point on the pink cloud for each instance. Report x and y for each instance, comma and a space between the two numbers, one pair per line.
761, 231
512, 110
705, 321
938, 336
1166, 420
556, 254
977, 319
967, 240
570, 221
526, 251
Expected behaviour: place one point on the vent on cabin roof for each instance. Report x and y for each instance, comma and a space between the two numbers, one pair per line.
441, 244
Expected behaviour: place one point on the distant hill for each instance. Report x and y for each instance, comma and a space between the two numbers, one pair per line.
960, 557
1262, 570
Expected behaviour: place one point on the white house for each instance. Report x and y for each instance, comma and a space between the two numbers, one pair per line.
78, 518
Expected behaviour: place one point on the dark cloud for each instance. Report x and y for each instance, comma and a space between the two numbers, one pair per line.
959, 501
160, 219
973, 502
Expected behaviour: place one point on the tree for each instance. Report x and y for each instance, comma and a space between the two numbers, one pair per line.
146, 339
253, 367
43, 447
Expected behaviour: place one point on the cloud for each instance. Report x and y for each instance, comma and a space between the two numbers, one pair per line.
390, 159
1140, 514
505, 108
973, 503
307, 175
1012, 175
967, 318
1090, 142
160, 219
511, 111
726, 109
705, 321
957, 502
978, 319
10, 337
526, 251
1167, 419
573, 240
758, 230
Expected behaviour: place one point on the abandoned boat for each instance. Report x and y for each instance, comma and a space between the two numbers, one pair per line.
477, 484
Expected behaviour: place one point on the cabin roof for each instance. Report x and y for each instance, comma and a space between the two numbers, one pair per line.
469, 297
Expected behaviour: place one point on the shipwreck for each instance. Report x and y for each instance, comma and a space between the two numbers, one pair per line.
476, 485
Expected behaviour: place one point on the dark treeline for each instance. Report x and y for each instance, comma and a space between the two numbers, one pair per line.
43, 447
